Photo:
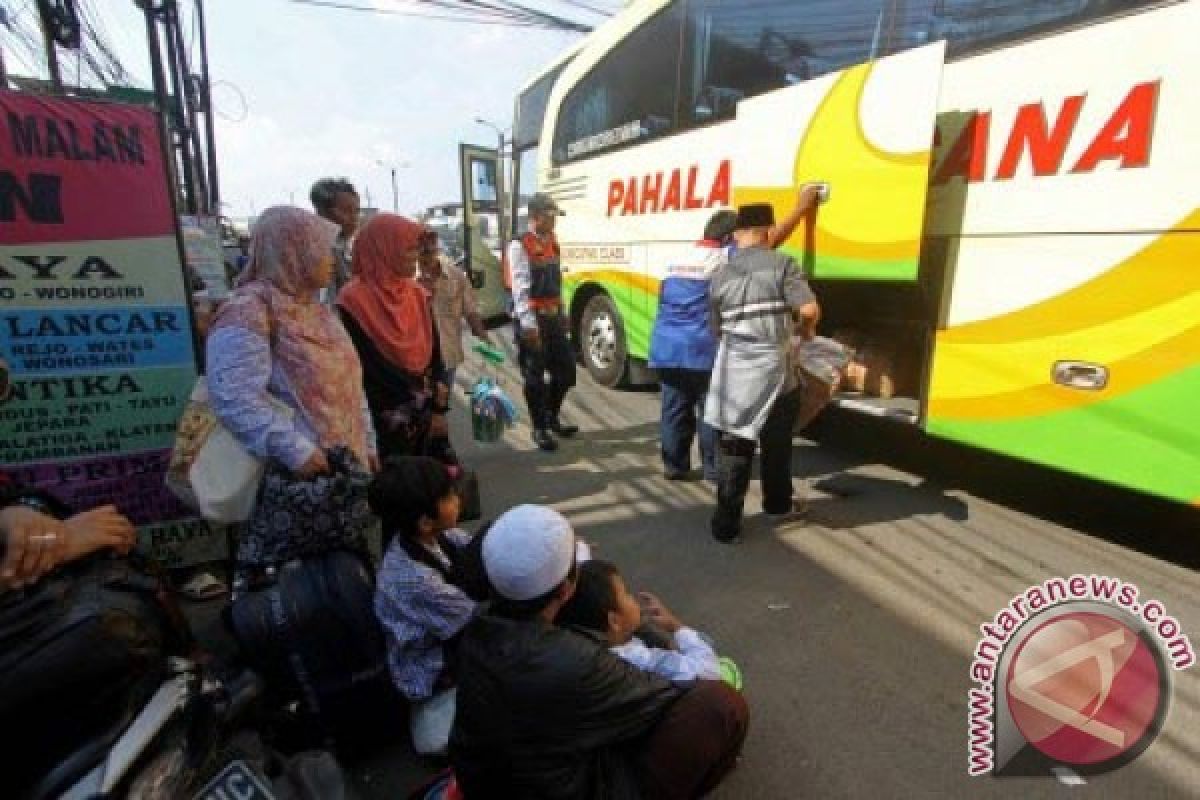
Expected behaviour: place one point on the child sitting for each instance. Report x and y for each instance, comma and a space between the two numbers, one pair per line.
417, 598
603, 604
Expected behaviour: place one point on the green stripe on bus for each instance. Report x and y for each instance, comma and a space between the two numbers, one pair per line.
827, 267
1145, 440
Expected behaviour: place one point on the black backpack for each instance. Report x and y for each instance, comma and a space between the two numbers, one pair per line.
311, 631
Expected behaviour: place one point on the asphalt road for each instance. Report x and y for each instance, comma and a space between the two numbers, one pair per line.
854, 626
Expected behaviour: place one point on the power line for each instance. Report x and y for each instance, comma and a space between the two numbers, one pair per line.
481, 13
601, 11
395, 12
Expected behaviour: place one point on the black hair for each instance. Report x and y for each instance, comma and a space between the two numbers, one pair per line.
528, 609
407, 489
324, 193
404, 491
595, 596
721, 226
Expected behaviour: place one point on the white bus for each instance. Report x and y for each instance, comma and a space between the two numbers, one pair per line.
1035, 291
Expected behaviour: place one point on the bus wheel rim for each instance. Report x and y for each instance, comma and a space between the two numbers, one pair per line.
602, 341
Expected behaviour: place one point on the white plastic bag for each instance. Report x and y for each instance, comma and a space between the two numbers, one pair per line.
210, 471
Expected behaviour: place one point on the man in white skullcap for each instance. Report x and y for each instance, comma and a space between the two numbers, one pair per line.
550, 712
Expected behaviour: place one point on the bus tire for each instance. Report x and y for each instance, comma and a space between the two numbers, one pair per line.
602, 342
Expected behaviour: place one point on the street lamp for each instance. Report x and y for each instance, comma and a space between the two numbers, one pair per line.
501, 217
395, 186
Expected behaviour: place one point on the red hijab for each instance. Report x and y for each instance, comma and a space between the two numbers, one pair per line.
391, 309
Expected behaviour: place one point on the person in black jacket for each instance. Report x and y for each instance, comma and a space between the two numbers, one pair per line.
548, 712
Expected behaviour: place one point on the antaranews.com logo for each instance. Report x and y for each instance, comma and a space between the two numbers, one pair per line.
1074, 672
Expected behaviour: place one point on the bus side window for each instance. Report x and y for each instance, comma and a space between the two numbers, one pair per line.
630, 96
734, 50
972, 25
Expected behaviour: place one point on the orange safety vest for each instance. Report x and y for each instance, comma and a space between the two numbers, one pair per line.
545, 266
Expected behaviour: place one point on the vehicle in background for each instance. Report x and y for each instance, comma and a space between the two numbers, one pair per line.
448, 221
1045, 306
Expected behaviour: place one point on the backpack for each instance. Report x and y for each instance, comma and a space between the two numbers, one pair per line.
311, 631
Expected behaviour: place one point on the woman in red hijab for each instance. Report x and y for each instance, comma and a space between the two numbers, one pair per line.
387, 314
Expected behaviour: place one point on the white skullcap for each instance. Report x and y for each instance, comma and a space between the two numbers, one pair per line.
528, 552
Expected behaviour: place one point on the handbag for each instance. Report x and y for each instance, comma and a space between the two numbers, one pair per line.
295, 517
210, 471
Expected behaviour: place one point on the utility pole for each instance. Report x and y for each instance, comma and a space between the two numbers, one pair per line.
392, 168
183, 132
51, 56
187, 100
162, 96
214, 192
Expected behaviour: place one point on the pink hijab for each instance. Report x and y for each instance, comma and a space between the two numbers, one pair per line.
277, 299
392, 310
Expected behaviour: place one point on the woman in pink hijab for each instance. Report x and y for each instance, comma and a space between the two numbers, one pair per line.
273, 341
387, 314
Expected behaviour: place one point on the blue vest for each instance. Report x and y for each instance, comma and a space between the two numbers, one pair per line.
682, 338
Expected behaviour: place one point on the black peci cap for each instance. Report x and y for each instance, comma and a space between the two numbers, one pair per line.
755, 215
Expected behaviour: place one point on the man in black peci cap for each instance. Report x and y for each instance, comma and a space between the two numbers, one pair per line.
759, 300
541, 327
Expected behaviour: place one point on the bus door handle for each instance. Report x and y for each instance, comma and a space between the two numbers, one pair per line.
1080, 375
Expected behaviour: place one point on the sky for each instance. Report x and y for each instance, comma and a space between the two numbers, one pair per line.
304, 92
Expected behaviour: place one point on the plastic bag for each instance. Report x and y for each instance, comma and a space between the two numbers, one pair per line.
492, 412
209, 470
821, 357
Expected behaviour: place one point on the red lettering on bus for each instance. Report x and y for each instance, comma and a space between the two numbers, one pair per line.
1126, 137
1046, 147
645, 195
692, 201
651, 192
1127, 134
968, 155
631, 197
719, 194
672, 201
616, 193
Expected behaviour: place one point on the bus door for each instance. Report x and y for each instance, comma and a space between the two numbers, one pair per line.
483, 202
867, 131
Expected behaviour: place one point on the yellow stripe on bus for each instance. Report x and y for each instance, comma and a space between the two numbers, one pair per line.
1165, 269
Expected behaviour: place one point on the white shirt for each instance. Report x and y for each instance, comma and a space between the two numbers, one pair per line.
522, 284
694, 660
